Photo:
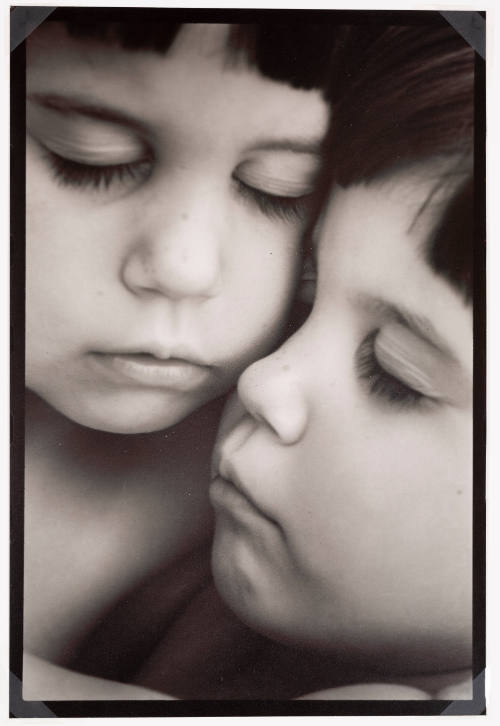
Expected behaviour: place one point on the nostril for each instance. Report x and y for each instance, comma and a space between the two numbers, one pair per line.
289, 424
280, 410
259, 418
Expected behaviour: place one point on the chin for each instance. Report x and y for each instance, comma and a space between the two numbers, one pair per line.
248, 590
127, 414
120, 427
113, 425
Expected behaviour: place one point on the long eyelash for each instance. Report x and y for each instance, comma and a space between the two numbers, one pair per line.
381, 383
75, 174
288, 208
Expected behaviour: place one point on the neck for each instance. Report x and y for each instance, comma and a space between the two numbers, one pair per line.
50, 434
104, 511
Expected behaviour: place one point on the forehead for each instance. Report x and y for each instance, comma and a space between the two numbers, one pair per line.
194, 73
390, 218
372, 246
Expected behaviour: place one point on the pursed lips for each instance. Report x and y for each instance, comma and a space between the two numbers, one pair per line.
225, 466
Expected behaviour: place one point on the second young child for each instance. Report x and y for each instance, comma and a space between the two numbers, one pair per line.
344, 495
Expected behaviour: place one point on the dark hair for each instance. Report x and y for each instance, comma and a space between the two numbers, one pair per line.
450, 249
300, 54
411, 99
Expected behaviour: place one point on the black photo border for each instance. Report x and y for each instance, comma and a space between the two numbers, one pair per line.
20, 708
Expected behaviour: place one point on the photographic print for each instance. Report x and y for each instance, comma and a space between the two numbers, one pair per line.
248, 387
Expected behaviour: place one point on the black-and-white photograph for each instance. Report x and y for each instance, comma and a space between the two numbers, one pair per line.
249, 463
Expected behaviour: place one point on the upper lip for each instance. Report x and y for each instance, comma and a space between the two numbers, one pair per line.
229, 445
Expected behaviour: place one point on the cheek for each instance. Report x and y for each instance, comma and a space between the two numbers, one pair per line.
63, 272
71, 278
383, 507
276, 284
421, 461
72, 248
260, 279
263, 253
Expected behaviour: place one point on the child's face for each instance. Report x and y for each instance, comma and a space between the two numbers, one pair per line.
348, 520
165, 206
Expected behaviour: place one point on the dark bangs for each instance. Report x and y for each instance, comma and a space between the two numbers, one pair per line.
450, 250
411, 100
297, 53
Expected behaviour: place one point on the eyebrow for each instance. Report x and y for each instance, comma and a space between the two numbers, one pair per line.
99, 112
416, 323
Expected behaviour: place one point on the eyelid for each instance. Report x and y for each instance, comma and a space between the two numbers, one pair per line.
286, 174
421, 366
82, 140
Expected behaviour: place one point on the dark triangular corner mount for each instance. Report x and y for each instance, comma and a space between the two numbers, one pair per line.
20, 708
471, 25
476, 706
24, 20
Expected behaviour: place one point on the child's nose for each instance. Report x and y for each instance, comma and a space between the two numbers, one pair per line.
271, 392
176, 254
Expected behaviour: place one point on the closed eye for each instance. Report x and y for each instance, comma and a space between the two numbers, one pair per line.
91, 176
380, 383
287, 208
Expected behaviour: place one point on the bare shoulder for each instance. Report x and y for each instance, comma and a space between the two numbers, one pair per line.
44, 681
368, 692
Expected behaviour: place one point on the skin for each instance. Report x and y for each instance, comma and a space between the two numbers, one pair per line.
45, 681
344, 512
178, 260
175, 258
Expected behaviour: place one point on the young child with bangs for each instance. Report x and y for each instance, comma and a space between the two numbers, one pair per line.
343, 494
170, 169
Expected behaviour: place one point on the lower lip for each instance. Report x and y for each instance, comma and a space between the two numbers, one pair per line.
224, 495
149, 371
